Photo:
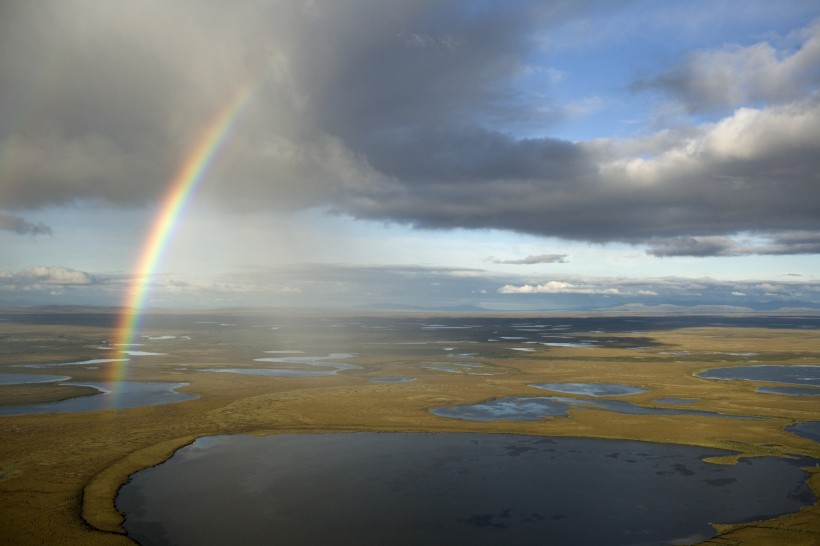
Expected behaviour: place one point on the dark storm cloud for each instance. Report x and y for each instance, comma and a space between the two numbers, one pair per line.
785, 243
22, 226
394, 111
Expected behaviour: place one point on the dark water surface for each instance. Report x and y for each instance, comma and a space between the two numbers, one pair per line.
789, 391
535, 408
808, 429
792, 375
24, 378
448, 489
113, 395
590, 389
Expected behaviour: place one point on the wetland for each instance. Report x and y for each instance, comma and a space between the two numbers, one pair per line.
325, 374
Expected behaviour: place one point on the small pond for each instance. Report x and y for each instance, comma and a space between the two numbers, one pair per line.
791, 375
808, 429
790, 391
90, 362
466, 368
25, 378
391, 379
676, 401
535, 408
113, 395
300, 366
590, 389
449, 489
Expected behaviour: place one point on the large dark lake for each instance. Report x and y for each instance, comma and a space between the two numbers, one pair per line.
449, 489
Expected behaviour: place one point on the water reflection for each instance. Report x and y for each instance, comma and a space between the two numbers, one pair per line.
26, 378
590, 389
449, 489
534, 408
113, 395
808, 429
305, 366
676, 401
790, 391
792, 375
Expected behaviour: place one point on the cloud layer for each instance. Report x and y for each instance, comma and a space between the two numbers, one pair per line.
411, 120
405, 287
22, 226
535, 260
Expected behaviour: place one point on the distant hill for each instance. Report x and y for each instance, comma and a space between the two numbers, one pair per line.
669, 309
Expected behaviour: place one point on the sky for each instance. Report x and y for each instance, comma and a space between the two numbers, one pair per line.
504, 156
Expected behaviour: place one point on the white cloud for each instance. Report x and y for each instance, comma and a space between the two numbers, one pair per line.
555, 287
55, 276
735, 75
749, 134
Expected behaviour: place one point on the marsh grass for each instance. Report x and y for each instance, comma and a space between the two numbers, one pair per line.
59, 473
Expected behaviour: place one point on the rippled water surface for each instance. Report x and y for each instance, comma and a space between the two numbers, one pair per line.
448, 489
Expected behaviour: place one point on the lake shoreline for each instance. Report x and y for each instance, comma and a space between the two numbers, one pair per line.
99, 495
60, 473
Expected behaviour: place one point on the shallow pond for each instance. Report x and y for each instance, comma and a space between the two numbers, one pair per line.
791, 375
808, 429
25, 378
676, 401
535, 408
590, 389
391, 379
790, 391
118, 395
308, 366
448, 489
90, 362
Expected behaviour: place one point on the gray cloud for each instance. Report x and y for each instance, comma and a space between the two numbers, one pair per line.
535, 259
800, 242
398, 286
54, 275
406, 121
21, 226
737, 75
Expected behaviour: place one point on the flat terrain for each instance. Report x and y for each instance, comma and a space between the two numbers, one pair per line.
59, 473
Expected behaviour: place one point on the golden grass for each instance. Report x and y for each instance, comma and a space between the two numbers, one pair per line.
35, 393
59, 473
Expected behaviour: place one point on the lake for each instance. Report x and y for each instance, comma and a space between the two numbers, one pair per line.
449, 489
802, 375
535, 408
113, 395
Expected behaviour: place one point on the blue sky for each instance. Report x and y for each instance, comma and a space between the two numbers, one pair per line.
493, 155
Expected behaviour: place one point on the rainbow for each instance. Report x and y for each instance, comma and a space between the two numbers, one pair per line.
191, 171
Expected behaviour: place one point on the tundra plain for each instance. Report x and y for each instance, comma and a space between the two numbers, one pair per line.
60, 472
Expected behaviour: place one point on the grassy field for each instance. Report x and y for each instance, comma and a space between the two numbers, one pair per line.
59, 473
